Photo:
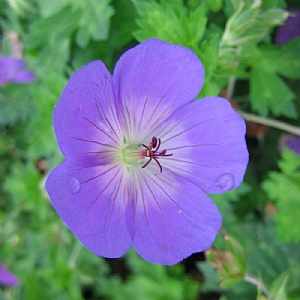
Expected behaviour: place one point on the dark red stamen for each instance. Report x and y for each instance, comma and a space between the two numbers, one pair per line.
152, 152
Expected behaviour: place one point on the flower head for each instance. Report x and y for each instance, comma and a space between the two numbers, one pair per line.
290, 29
13, 70
6, 277
141, 155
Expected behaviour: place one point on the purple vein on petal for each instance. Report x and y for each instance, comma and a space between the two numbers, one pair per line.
171, 168
99, 175
113, 198
155, 182
156, 202
133, 99
94, 142
187, 162
160, 116
127, 118
114, 114
112, 111
98, 152
163, 112
177, 191
193, 146
186, 129
160, 184
139, 188
145, 102
101, 130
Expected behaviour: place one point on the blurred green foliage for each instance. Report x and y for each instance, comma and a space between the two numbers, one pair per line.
235, 41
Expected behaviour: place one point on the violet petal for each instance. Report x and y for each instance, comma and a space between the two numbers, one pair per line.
85, 120
174, 218
96, 204
23, 76
207, 139
7, 277
290, 29
152, 80
9, 67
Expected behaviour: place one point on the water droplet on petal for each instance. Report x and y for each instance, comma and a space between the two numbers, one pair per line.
74, 185
225, 182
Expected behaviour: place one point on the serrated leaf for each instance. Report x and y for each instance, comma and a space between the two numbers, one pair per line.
94, 21
40, 128
284, 60
49, 8
23, 185
289, 62
268, 92
170, 21
54, 28
208, 54
15, 104
284, 188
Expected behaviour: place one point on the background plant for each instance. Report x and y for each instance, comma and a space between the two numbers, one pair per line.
236, 42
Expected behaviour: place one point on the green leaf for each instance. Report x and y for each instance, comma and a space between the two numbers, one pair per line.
286, 285
122, 24
289, 61
268, 92
170, 21
152, 281
284, 188
214, 6
23, 184
49, 8
208, 54
15, 103
40, 128
52, 29
278, 289
94, 21
284, 60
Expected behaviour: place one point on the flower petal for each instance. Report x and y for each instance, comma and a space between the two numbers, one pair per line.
152, 80
95, 203
85, 119
290, 29
23, 76
207, 139
9, 66
174, 218
7, 277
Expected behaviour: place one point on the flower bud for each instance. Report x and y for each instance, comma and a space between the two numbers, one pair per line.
230, 263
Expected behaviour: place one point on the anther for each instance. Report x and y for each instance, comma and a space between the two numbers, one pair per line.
152, 152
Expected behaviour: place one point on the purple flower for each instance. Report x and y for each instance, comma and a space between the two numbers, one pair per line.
290, 141
13, 70
290, 29
141, 155
6, 277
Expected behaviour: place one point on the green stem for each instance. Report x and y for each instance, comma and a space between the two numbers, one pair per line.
269, 122
253, 280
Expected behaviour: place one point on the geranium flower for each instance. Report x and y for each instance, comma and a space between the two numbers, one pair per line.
7, 277
290, 29
141, 155
13, 70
